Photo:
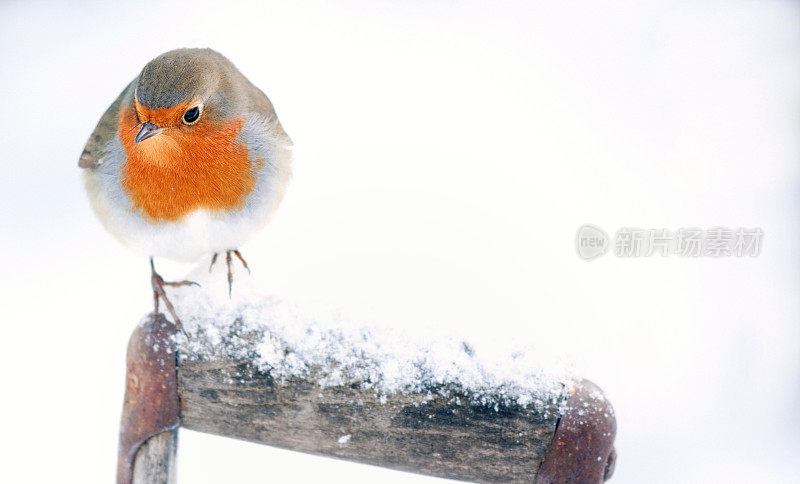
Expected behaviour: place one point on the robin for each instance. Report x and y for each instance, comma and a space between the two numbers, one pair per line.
189, 160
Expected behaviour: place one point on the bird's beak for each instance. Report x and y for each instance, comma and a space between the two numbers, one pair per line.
148, 131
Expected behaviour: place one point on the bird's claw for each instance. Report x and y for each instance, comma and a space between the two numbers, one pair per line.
159, 293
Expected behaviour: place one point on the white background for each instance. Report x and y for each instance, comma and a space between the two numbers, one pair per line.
446, 153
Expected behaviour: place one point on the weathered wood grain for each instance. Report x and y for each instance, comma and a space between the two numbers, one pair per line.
420, 433
565, 436
155, 459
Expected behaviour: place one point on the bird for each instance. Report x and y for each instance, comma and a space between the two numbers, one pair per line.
189, 160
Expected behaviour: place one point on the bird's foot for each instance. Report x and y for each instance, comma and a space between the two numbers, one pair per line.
229, 262
159, 293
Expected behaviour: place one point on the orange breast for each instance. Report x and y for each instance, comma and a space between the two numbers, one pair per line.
185, 168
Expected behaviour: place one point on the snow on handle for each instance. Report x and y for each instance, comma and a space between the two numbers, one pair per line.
275, 373
288, 341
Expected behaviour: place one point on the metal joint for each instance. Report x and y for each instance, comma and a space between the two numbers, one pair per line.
151, 390
582, 450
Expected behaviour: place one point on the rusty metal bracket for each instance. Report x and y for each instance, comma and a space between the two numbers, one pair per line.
582, 450
151, 390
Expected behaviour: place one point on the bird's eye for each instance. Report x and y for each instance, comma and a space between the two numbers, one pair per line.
191, 115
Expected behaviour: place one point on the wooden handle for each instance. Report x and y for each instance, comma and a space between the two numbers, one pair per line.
567, 441
155, 459
418, 433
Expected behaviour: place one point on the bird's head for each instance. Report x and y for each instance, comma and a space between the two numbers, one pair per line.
186, 103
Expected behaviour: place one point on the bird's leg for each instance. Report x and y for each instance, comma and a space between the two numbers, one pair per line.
158, 293
155, 298
244, 262
158, 284
230, 274
229, 261
213, 260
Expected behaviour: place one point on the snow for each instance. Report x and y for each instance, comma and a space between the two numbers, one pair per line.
344, 439
446, 154
290, 339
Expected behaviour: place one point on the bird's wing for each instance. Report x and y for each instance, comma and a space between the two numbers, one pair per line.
94, 151
261, 104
